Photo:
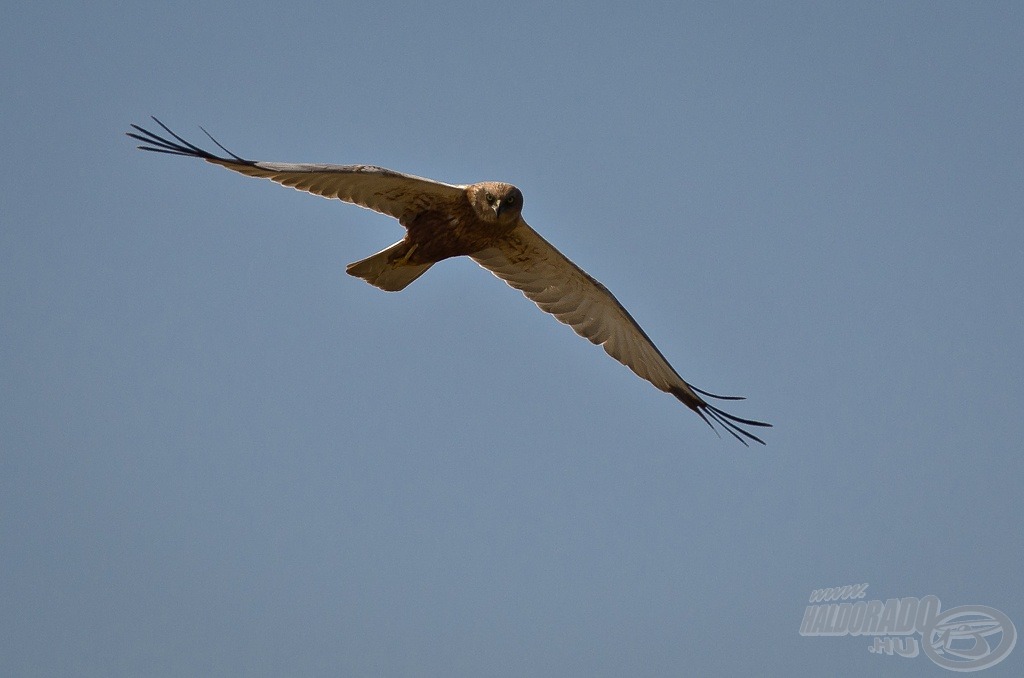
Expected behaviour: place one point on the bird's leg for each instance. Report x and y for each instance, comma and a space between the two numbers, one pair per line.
408, 255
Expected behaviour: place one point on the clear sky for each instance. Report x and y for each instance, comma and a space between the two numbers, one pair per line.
220, 455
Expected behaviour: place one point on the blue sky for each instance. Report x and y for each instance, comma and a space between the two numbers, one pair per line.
220, 455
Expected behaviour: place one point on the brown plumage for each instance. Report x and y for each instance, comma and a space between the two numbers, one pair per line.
484, 222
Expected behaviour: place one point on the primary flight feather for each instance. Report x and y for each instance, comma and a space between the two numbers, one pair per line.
484, 222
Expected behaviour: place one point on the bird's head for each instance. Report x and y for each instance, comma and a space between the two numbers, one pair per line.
496, 202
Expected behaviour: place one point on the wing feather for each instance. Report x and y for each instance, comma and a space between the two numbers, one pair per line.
544, 275
392, 193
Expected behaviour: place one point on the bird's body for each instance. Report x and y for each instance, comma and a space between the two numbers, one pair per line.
484, 222
453, 226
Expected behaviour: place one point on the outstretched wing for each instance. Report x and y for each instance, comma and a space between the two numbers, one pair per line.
533, 266
382, 190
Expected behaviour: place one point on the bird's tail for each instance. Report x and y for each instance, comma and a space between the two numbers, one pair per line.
389, 269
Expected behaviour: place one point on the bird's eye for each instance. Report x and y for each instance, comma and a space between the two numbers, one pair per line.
489, 198
510, 199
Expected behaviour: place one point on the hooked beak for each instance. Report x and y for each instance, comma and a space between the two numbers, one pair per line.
497, 208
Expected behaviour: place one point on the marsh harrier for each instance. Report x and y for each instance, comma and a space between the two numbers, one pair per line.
484, 222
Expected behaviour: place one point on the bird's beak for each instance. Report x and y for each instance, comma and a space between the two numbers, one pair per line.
497, 208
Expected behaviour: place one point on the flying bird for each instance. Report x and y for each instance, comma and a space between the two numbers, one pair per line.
484, 222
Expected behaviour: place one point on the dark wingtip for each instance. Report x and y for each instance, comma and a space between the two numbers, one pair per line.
732, 424
711, 415
220, 145
155, 143
716, 397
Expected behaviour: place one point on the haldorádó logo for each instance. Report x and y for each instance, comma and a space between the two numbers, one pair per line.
960, 639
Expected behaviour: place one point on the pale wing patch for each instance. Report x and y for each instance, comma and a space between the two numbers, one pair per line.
382, 190
530, 264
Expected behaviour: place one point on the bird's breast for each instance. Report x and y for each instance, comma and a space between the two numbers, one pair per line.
445, 234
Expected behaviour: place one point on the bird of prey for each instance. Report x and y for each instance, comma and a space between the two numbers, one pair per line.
484, 222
